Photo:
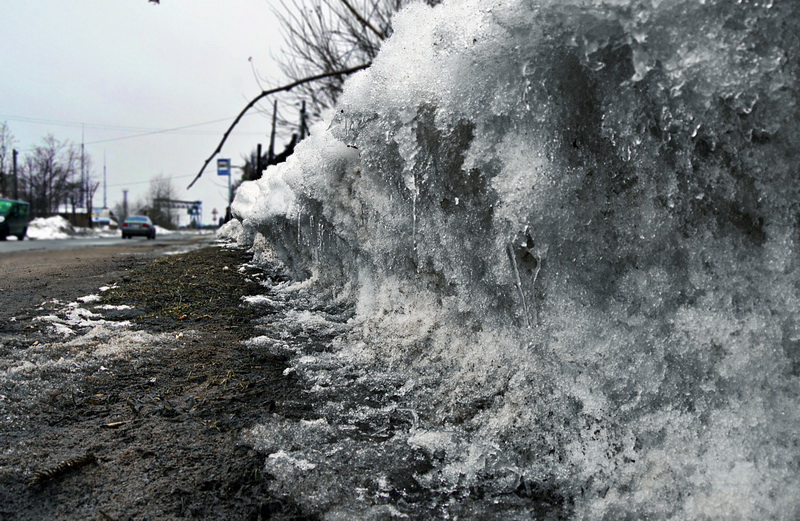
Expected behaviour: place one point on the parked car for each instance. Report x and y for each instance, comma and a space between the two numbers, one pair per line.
138, 225
14, 216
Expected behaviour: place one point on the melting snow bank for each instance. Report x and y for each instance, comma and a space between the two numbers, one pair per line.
58, 227
570, 232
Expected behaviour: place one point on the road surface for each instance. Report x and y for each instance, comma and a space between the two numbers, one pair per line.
90, 242
32, 272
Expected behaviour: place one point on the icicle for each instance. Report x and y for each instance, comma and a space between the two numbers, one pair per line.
298, 227
414, 226
510, 252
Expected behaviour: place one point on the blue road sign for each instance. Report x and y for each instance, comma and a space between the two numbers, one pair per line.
224, 167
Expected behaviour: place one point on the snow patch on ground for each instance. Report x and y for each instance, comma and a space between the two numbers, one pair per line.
258, 299
73, 317
88, 341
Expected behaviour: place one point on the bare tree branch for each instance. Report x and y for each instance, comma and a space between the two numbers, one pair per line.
328, 35
264, 94
363, 21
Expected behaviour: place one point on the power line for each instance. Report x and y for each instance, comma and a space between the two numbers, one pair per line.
103, 126
139, 131
145, 182
174, 130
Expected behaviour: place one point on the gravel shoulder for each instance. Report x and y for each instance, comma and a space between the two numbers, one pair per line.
149, 427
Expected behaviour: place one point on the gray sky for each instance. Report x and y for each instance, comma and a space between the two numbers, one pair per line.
115, 69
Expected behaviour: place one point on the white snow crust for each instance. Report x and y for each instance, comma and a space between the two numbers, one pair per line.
88, 341
574, 227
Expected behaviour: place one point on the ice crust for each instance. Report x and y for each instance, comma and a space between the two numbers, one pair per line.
574, 226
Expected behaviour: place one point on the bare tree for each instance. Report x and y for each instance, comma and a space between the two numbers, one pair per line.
325, 36
157, 207
254, 101
7, 142
49, 176
322, 37
326, 40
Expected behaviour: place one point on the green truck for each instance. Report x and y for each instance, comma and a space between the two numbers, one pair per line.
14, 216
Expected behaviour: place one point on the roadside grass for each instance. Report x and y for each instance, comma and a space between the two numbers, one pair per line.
201, 285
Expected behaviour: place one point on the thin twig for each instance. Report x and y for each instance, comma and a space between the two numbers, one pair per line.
363, 21
63, 467
261, 96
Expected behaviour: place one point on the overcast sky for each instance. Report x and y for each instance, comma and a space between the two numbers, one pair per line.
116, 69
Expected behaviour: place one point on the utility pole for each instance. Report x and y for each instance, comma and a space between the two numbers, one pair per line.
124, 204
14, 170
303, 128
105, 184
82, 194
271, 153
259, 163
3, 178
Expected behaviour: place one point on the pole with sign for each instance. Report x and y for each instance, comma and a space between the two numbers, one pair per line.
224, 168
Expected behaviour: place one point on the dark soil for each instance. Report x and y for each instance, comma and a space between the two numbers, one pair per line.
157, 436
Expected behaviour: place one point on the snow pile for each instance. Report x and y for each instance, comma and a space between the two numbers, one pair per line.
50, 228
573, 227
57, 227
160, 230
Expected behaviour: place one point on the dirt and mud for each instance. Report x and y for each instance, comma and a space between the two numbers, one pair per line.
155, 435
